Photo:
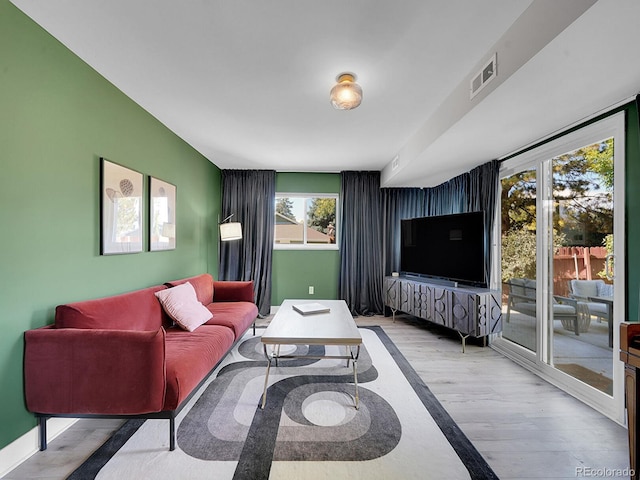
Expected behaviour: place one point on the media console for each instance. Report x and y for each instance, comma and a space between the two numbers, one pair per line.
470, 311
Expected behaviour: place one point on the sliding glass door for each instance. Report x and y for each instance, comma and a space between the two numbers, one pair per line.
563, 294
519, 257
583, 278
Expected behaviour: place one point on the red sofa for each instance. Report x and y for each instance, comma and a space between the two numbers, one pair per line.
122, 356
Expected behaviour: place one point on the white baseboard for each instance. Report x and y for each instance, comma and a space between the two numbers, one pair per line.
22, 448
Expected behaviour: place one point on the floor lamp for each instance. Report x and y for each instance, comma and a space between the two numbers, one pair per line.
230, 230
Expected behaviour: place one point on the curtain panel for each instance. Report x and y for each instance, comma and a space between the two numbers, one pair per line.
470, 192
398, 204
250, 196
361, 270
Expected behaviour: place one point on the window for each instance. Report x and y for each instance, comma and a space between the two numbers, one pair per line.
306, 221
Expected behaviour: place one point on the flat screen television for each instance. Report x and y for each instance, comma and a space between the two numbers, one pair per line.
447, 247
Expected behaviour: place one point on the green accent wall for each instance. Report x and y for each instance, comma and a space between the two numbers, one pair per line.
295, 270
57, 118
632, 210
631, 255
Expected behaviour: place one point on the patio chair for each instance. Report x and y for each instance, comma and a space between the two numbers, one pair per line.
586, 290
522, 298
596, 297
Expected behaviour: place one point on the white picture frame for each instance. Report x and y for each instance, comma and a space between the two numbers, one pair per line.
121, 219
162, 215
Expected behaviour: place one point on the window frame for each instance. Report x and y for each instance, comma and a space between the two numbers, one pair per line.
309, 246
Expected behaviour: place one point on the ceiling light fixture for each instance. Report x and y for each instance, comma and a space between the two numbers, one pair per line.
346, 94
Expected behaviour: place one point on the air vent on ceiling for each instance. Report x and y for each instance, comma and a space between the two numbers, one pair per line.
484, 76
395, 162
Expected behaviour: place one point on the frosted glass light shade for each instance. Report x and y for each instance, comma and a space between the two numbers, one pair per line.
230, 231
346, 94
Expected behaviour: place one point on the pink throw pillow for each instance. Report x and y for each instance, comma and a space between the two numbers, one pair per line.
181, 304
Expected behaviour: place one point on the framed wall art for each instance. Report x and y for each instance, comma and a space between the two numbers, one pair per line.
121, 199
162, 215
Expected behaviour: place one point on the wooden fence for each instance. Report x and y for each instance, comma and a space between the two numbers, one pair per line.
583, 263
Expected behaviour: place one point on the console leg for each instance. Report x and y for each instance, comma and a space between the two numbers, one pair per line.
464, 341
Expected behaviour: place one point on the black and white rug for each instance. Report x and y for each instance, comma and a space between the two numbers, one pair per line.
309, 428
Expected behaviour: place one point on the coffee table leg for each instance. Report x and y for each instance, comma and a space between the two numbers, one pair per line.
266, 377
355, 374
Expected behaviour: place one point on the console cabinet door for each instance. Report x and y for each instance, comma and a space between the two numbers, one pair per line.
392, 293
421, 301
489, 314
440, 305
406, 297
464, 308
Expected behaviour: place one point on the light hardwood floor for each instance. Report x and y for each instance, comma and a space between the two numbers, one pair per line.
523, 426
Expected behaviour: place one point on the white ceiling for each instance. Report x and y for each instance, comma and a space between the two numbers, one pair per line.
246, 82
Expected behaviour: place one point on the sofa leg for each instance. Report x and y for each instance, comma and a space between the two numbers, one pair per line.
254, 328
42, 432
172, 434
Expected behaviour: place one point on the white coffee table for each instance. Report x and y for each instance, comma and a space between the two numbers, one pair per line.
288, 327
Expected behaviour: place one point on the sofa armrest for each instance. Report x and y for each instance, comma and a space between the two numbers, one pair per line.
94, 371
232, 291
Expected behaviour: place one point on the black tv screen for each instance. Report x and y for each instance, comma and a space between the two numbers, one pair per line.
450, 247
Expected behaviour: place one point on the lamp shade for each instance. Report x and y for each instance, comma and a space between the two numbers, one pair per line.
346, 94
230, 231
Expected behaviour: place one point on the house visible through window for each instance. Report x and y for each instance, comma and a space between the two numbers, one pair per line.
306, 221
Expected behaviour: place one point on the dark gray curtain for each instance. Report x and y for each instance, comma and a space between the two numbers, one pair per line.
361, 270
250, 196
470, 192
398, 204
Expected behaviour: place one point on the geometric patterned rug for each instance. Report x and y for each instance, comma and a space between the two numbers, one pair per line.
309, 428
